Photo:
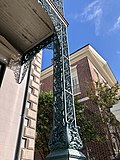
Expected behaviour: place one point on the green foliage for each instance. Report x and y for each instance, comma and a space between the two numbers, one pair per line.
44, 122
103, 95
87, 128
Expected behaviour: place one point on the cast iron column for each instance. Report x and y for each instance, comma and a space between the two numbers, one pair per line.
65, 142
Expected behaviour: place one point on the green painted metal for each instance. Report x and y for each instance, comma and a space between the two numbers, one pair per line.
65, 142
59, 5
32, 52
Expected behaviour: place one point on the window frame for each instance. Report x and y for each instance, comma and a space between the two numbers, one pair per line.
75, 80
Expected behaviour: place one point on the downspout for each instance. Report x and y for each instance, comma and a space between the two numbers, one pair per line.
21, 126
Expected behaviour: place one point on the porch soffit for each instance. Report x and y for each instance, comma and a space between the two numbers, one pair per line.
24, 23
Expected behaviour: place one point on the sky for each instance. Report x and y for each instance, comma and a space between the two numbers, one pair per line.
94, 22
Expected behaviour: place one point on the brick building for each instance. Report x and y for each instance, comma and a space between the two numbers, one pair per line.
88, 66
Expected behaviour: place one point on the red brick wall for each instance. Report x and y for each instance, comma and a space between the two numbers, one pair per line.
98, 150
47, 84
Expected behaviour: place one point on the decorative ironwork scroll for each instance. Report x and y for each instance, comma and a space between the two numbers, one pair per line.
16, 68
32, 52
19, 71
21, 65
65, 132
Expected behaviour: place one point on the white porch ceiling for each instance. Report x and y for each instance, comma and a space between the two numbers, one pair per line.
24, 23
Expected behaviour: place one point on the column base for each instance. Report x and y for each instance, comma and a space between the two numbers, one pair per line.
68, 154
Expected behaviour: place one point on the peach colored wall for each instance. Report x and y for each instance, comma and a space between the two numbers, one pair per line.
11, 100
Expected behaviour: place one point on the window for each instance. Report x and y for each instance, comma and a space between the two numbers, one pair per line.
2, 71
75, 81
76, 87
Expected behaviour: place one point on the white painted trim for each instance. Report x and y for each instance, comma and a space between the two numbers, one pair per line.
77, 93
83, 99
73, 67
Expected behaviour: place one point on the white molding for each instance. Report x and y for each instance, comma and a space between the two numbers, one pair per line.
83, 99
77, 93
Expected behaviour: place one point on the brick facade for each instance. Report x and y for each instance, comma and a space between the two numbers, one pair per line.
46, 84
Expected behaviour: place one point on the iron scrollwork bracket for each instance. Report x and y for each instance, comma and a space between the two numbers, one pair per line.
20, 67
32, 52
19, 70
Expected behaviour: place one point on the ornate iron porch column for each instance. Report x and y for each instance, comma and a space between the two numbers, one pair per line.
65, 142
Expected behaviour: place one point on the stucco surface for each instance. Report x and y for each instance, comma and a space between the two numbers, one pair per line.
11, 100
